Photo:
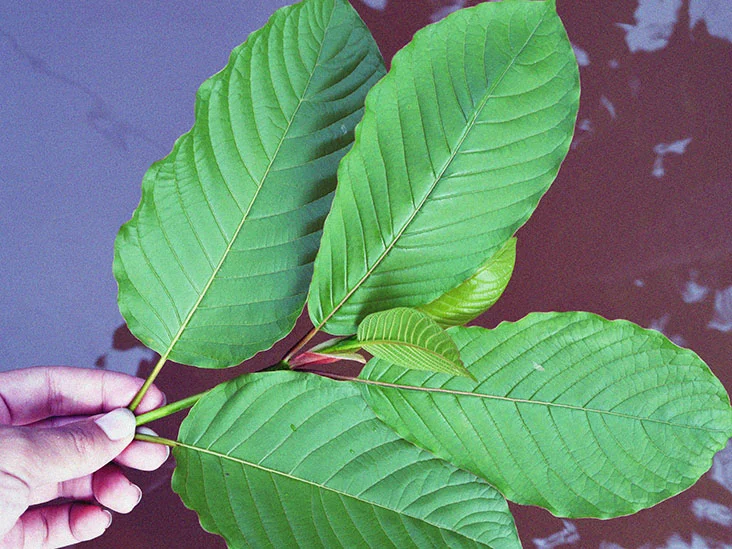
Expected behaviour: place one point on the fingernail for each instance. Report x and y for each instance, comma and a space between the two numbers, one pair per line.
139, 494
148, 431
109, 518
117, 424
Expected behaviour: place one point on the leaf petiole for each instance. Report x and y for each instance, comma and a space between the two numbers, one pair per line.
300, 344
169, 409
156, 440
149, 381
338, 345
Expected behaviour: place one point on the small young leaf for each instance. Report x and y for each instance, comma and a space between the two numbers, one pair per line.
583, 416
412, 340
457, 145
327, 352
284, 460
215, 263
478, 293
310, 358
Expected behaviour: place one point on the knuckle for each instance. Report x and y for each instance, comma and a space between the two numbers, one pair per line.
55, 399
81, 439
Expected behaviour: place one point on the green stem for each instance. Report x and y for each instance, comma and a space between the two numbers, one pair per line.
169, 409
348, 344
300, 344
156, 440
149, 381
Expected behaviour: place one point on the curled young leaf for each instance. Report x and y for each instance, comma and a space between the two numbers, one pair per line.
478, 293
310, 358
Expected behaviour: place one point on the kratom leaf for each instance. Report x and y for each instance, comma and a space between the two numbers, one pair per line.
583, 416
457, 145
215, 263
478, 293
412, 340
288, 460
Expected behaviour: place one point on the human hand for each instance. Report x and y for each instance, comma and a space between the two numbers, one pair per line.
50, 448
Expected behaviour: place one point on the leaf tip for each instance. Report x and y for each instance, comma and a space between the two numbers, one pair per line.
464, 372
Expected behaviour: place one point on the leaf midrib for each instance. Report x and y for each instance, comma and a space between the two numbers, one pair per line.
265, 469
454, 392
245, 215
445, 166
397, 343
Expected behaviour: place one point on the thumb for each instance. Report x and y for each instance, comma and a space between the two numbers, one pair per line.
76, 449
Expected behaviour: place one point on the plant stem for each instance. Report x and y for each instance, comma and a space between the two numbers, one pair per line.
300, 344
149, 381
169, 409
156, 440
348, 344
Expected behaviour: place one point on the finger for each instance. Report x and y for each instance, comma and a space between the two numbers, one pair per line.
77, 488
57, 526
108, 486
57, 454
146, 405
57, 421
146, 456
113, 490
33, 394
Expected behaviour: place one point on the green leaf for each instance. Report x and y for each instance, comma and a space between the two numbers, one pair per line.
457, 145
583, 416
215, 263
289, 460
412, 340
478, 293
